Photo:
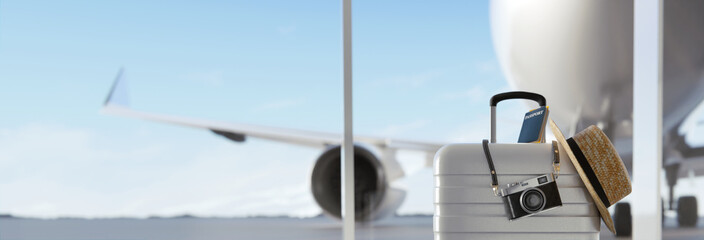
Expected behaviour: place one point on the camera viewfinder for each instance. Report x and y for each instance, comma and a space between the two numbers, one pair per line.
542, 180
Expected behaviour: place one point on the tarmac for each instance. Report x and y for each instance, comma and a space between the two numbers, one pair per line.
409, 227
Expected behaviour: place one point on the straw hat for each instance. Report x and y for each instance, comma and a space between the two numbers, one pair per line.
599, 167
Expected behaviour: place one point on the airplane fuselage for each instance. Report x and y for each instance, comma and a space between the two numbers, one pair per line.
579, 55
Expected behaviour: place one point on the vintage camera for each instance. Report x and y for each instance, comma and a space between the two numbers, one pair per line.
531, 196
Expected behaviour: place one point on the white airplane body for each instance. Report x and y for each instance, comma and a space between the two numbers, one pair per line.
583, 64
578, 54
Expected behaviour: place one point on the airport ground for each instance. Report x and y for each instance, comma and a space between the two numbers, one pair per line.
416, 227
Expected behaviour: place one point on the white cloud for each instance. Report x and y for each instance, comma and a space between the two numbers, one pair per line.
52, 171
228, 180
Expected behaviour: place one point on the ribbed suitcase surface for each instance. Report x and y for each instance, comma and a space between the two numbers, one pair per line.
466, 208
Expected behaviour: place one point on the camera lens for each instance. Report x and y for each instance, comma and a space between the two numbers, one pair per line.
532, 200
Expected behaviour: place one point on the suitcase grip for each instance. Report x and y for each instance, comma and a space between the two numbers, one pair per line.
517, 95
511, 95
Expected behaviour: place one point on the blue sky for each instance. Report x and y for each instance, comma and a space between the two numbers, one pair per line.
422, 70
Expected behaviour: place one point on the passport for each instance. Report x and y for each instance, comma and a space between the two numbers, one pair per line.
533, 128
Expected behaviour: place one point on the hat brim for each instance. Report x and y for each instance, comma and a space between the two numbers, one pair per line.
603, 211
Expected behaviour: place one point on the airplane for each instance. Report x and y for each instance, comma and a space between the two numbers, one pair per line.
578, 54
375, 197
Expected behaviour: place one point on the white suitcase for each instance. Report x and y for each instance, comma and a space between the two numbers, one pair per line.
466, 207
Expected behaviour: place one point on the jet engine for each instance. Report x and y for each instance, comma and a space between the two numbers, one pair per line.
374, 198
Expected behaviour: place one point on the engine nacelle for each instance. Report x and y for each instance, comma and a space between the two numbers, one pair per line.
374, 198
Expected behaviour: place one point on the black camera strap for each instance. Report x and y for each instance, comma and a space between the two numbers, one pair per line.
494, 179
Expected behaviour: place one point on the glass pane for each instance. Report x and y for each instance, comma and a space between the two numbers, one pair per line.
423, 71
73, 173
682, 66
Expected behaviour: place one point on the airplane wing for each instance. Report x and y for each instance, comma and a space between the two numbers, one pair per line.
117, 104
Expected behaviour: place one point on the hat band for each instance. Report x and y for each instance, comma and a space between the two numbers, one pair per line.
587, 168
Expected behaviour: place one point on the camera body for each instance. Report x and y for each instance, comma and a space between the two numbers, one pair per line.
531, 196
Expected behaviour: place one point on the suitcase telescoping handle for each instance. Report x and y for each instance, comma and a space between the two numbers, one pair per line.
510, 95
